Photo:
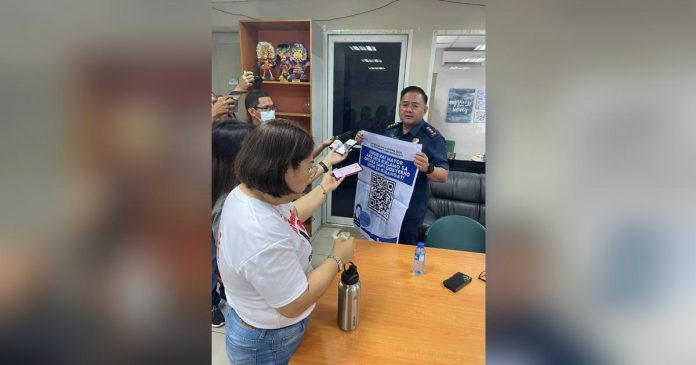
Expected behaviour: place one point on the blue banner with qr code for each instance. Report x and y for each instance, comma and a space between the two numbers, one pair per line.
391, 167
385, 186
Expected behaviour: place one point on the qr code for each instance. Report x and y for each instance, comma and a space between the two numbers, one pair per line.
381, 195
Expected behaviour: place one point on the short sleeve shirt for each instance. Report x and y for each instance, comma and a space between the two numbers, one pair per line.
264, 257
434, 147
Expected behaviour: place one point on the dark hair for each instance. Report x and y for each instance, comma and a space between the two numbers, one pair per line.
227, 140
414, 89
267, 154
252, 98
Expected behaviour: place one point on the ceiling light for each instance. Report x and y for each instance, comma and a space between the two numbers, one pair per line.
480, 47
459, 68
363, 48
371, 60
377, 68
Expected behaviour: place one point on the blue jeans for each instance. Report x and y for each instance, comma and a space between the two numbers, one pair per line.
249, 345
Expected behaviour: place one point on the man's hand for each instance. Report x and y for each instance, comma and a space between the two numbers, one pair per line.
359, 137
245, 81
222, 106
421, 161
344, 248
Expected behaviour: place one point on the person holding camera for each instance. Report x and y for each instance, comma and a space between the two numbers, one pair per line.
225, 106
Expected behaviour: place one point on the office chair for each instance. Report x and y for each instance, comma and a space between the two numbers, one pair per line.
456, 232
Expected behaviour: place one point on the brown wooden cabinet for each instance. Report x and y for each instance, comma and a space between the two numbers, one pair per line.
293, 100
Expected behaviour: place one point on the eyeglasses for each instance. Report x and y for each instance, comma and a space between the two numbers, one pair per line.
268, 108
482, 275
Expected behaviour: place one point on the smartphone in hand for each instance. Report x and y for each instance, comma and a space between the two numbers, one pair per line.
345, 135
335, 144
347, 170
346, 147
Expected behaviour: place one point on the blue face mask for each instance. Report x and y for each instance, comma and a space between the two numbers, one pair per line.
267, 115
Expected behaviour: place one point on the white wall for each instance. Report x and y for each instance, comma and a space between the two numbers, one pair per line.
226, 64
470, 137
225, 60
422, 17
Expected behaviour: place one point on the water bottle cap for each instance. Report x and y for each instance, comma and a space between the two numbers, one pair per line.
350, 275
421, 244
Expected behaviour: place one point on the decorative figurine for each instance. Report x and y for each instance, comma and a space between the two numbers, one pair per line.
266, 60
283, 56
298, 60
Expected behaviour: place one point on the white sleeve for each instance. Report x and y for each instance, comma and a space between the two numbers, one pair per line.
276, 274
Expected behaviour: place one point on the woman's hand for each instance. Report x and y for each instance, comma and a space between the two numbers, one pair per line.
329, 182
344, 248
333, 158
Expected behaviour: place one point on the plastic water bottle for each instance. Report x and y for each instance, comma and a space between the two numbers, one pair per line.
419, 260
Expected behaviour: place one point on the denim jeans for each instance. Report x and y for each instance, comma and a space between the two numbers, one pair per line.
249, 345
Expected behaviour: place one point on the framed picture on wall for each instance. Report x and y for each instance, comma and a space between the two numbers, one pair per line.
460, 105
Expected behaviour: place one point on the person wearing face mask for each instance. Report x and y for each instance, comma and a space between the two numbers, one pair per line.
260, 107
262, 110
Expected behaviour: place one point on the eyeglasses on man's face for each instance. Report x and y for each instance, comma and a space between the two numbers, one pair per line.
267, 108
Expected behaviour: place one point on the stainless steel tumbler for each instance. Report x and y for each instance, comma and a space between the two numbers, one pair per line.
349, 299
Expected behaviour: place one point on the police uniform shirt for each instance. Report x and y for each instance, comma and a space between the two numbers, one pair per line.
434, 147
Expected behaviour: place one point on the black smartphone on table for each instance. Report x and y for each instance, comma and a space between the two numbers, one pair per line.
456, 281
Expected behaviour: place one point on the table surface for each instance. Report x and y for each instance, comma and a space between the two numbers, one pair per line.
404, 319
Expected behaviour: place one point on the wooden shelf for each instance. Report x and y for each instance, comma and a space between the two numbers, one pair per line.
269, 82
293, 115
292, 98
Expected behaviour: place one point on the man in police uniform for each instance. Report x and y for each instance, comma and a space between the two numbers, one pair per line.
431, 162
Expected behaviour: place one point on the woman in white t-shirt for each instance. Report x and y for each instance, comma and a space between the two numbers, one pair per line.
264, 254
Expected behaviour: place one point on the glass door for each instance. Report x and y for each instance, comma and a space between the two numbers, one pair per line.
365, 76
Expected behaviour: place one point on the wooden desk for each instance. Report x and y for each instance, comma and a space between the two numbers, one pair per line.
404, 319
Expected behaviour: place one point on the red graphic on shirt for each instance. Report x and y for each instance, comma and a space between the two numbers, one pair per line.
297, 225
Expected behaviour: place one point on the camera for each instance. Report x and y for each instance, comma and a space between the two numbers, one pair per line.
257, 81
